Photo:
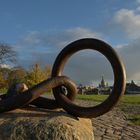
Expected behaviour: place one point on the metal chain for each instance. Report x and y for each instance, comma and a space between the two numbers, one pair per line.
32, 96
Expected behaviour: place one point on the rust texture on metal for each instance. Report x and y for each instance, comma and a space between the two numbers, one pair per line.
118, 70
32, 96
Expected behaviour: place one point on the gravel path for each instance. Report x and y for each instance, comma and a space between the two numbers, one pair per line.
113, 125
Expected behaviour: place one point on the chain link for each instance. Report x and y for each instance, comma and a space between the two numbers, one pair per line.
32, 95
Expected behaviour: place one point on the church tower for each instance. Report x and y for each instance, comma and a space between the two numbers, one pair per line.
102, 82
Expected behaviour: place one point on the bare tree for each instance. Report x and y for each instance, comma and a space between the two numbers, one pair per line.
7, 54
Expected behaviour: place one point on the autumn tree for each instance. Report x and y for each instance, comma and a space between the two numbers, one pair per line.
16, 75
4, 74
37, 74
2, 81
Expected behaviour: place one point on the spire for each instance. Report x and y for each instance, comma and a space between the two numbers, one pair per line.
132, 82
103, 82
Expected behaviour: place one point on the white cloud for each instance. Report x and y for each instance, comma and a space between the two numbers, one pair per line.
32, 38
59, 39
138, 1
130, 21
83, 33
121, 46
131, 56
62, 39
138, 8
5, 66
83, 67
44, 47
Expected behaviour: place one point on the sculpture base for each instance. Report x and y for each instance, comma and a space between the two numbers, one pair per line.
40, 124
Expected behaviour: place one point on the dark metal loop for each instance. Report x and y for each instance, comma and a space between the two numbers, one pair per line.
32, 95
119, 77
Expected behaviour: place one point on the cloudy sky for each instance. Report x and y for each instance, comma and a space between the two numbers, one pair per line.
39, 29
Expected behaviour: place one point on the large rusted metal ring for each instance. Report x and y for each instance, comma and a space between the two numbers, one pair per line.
118, 70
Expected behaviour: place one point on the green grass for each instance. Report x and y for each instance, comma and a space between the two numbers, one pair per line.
3, 90
97, 98
129, 99
135, 119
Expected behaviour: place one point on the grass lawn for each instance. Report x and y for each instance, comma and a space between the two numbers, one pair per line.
4, 90
130, 99
134, 119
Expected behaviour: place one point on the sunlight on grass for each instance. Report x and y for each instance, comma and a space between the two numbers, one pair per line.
135, 119
130, 99
3, 90
97, 98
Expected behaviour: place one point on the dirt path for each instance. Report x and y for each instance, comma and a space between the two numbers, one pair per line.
114, 125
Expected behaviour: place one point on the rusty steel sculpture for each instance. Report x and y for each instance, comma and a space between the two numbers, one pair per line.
64, 98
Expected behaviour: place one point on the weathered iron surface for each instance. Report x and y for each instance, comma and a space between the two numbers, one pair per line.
24, 98
57, 81
118, 70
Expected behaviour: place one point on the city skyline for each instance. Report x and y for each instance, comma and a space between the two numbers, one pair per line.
110, 82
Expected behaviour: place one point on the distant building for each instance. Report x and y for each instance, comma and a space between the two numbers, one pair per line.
88, 89
132, 88
81, 89
92, 91
103, 83
103, 87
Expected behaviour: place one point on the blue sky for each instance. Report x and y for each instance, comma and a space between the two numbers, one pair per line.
39, 29
19, 17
